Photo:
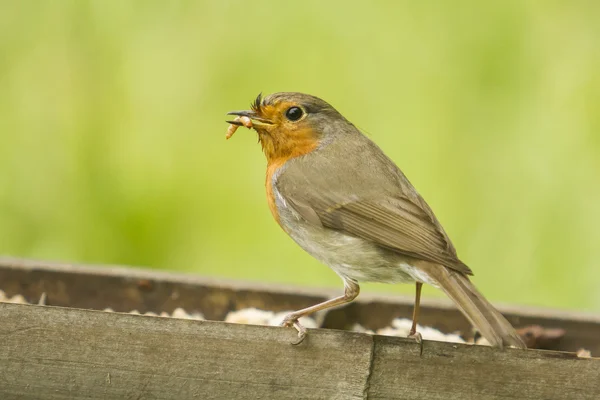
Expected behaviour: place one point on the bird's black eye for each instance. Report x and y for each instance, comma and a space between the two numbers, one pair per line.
294, 113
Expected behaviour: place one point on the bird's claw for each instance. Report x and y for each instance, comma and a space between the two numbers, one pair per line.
419, 339
291, 321
301, 333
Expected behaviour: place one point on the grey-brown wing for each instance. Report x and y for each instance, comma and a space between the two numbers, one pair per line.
393, 223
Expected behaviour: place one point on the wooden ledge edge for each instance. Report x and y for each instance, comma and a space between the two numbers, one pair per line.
287, 335
134, 272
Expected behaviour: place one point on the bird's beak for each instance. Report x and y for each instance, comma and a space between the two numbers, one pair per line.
256, 120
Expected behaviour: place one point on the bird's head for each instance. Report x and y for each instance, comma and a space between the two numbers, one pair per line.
290, 124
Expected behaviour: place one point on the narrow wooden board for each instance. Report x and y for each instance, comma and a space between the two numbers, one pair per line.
447, 371
60, 353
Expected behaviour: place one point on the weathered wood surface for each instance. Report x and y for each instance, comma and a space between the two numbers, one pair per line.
61, 353
126, 289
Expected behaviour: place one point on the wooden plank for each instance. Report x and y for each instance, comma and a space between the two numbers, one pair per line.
126, 289
447, 371
60, 353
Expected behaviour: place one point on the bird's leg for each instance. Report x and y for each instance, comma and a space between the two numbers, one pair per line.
413, 329
351, 290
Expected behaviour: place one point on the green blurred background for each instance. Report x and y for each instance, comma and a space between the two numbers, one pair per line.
112, 145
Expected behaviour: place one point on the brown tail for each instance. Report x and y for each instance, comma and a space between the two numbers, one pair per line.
490, 323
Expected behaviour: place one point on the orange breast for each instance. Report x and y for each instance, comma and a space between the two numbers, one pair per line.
272, 168
279, 152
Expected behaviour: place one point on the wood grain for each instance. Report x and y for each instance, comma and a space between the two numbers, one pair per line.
62, 353
58, 353
447, 371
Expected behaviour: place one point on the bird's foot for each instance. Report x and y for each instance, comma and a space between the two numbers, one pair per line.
419, 339
291, 320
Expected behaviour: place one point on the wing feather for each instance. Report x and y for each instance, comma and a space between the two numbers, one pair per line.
393, 223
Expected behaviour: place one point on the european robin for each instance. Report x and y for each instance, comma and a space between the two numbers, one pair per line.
341, 199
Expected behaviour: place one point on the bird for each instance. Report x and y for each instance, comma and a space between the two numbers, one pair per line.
346, 203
